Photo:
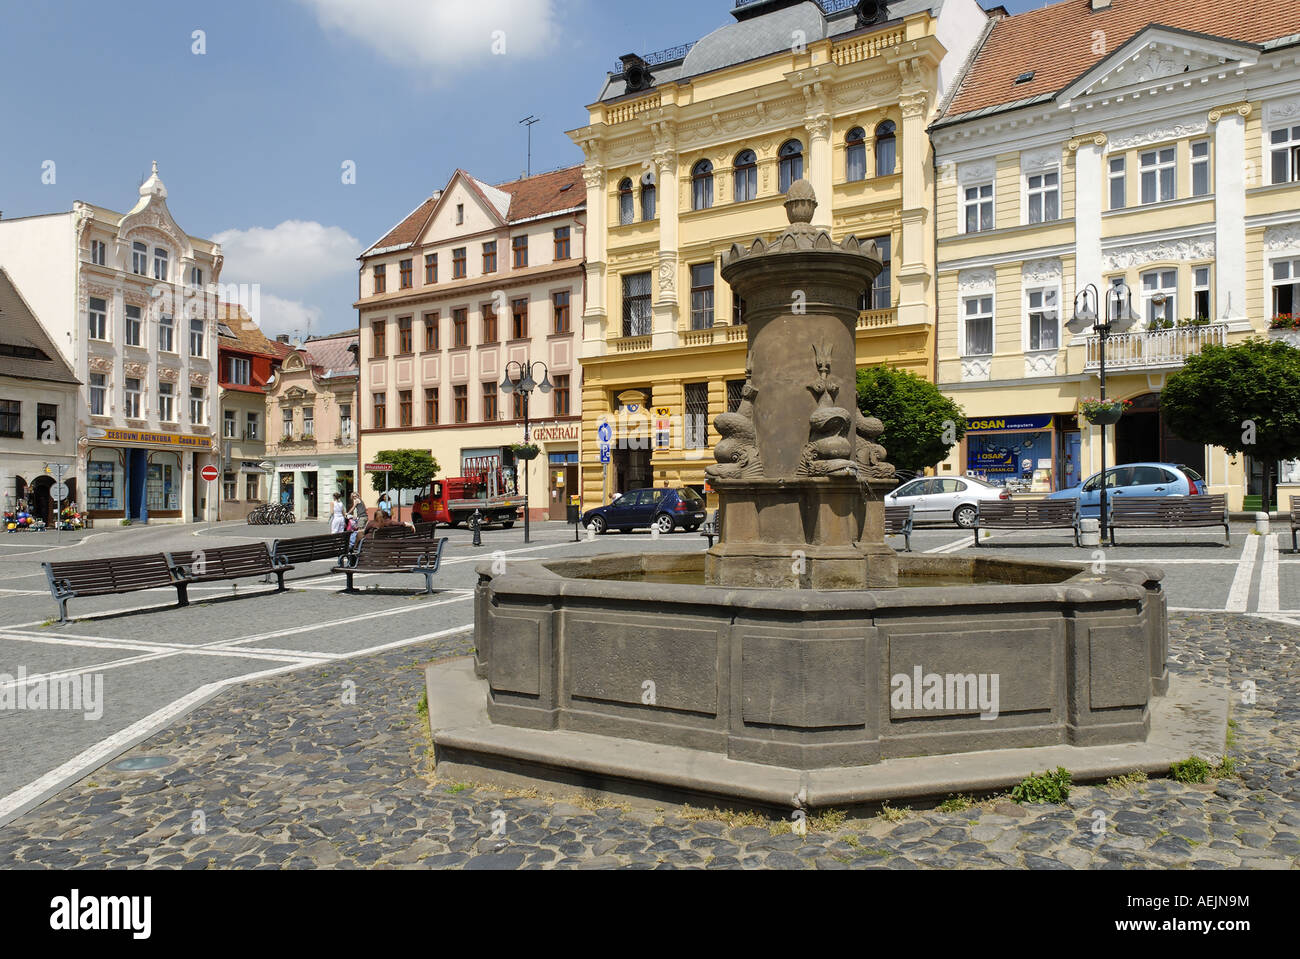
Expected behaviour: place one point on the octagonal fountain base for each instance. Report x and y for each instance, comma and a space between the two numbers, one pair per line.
627, 675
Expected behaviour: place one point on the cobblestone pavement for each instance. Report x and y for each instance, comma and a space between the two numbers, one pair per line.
308, 770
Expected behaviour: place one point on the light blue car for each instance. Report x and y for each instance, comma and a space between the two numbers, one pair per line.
1134, 479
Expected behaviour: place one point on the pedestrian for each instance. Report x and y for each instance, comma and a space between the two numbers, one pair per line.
356, 519
338, 523
385, 506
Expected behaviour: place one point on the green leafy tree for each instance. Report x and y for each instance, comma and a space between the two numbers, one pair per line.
412, 469
1244, 398
921, 424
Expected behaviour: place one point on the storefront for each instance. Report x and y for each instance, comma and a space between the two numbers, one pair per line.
1032, 452
309, 485
142, 476
559, 445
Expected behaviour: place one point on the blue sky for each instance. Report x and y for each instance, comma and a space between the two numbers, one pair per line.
251, 135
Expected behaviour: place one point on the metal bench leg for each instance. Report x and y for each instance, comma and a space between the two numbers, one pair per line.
1227, 535
182, 594
63, 608
1294, 547
428, 584
348, 588
907, 542
279, 576
977, 537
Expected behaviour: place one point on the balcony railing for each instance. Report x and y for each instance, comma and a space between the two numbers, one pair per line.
715, 334
632, 344
1156, 349
876, 319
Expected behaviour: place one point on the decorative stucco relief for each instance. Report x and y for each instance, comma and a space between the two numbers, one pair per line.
1161, 251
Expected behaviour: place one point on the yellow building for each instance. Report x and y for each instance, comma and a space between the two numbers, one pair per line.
692, 149
1165, 156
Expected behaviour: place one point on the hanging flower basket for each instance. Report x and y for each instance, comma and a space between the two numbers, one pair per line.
525, 451
1103, 413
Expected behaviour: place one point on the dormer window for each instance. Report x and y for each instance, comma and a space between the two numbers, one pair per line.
160, 264
1025, 77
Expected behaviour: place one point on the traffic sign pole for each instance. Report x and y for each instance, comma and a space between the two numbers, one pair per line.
209, 474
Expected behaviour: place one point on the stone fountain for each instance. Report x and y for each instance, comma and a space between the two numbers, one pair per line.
801, 660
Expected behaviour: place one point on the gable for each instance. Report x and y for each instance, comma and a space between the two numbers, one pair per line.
481, 214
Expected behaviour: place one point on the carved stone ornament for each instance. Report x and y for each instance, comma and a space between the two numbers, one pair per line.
1040, 272
135, 369
1177, 131
1041, 364
198, 379
737, 451
1282, 239
982, 280
1242, 109
1282, 110
168, 375
975, 368
1097, 139
1161, 251
1034, 161
101, 364
975, 171
667, 275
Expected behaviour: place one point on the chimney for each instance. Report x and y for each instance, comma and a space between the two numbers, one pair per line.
1100, 5
283, 338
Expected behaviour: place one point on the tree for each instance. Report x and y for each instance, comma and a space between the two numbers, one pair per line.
1244, 398
921, 424
412, 469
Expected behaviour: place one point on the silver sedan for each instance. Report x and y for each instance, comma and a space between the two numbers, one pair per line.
945, 498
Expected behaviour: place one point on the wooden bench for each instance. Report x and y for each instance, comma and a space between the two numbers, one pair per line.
1168, 512
310, 549
709, 530
231, 562
1295, 522
403, 531
404, 555
898, 522
112, 575
1027, 514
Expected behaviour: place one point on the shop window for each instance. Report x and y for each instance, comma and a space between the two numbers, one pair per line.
162, 483
103, 482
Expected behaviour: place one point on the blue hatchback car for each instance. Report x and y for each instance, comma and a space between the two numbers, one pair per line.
664, 509
1134, 479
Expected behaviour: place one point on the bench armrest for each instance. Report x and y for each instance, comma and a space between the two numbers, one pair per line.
182, 572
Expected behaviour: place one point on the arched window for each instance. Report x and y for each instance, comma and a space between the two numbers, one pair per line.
702, 185
791, 155
886, 154
855, 154
625, 207
746, 176
648, 197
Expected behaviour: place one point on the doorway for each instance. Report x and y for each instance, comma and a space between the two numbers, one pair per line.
562, 482
309, 494
137, 466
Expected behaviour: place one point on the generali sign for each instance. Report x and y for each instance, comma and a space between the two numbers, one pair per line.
557, 432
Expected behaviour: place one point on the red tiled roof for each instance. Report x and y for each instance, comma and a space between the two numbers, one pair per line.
1057, 42
247, 334
545, 193
330, 354
408, 231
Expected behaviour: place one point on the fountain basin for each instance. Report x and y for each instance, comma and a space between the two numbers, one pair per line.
637, 647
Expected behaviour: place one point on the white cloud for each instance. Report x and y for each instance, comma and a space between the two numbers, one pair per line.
296, 255
275, 315
443, 33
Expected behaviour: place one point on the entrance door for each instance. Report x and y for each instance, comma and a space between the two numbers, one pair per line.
137, 466
632, 469
309, 494
1069, 475
286, 489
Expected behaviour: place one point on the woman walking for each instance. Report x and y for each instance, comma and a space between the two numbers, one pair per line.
356, 519
337, 520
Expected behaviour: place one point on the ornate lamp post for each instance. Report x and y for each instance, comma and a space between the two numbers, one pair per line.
1118, 318
524, 386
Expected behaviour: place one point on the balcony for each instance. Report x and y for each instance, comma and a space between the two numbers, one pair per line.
715, 334
1160, 349
877, 319
631, 344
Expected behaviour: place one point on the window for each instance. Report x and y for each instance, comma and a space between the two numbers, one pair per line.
458, 270
489, 401
345, 422
1286, 287
460, 403
197, 406
1044, 196
196, 337
380, 410
228, 486
251, 426
855, 155
490, 256
229, 424
978, 205
379, 338
431, 331
790, 164
404, 274
746, 173
737, 310
160, 264
252, 487
98, 252
562, 238
381, 281
239, 371
648, 197
626, 207
1118, 184
47, 421
431, 406
519, 319
166, 403
886, 148
978, 319
405, 344
430, 268
1284, 146
308, 423
460, 214
1200, 167
1043, 320
697, 416
702, 185
97, 313
140, 258
701, 296
560, 310
882, 294
519, 251
517, 405
1158, 174
735, 394
1201, 292
98, 390
286, 426
196, 276
404, 408
636, 304
166, 335
133, 392
489, 322
133, 326
11, 418
561, 395
1160, 296
460, 327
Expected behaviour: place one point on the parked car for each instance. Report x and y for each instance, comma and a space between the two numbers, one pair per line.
945, 498
1134, 479
665, 509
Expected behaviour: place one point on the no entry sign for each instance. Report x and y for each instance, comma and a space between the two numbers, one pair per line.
209, 473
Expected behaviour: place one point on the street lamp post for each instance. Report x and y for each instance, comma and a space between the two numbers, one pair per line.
524, 386
1115, 317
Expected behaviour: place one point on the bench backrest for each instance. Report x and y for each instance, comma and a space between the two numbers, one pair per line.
897, 518
226, 562
395, 531
1295, 511
307, 549
1169, 509
1029, 512
112, 574
399, 553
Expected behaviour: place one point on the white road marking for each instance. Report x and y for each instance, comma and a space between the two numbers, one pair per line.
1239, 594
1268, 577
967, 540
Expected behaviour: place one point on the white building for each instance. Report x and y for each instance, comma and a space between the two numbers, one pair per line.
123, 299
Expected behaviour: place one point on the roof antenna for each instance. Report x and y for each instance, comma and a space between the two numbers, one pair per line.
529, 121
